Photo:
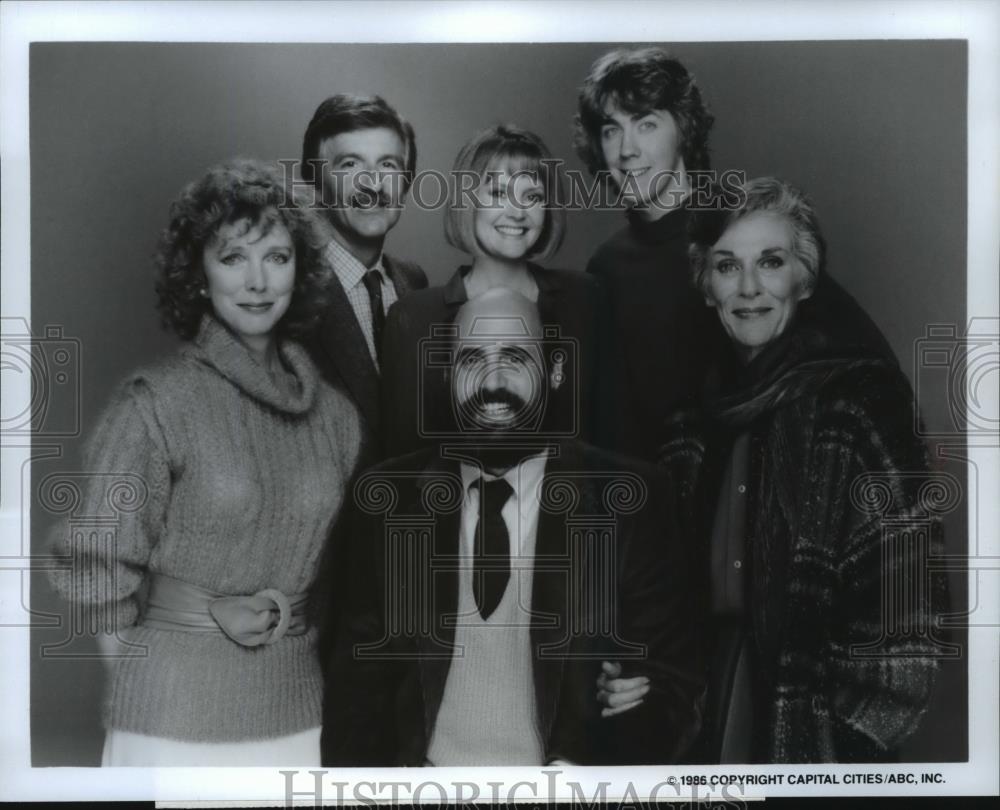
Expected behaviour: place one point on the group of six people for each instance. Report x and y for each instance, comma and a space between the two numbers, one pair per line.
531, 516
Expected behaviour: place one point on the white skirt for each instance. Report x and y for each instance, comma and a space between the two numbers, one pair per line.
125, 749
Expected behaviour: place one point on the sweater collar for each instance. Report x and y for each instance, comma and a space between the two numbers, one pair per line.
216, 346
671, 225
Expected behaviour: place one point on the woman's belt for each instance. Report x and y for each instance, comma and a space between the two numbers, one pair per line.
263, 618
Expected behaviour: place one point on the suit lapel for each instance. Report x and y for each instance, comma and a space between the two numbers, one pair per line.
396, 275
550, 294
555, 569
401, 280
344, 344
440, 576
453, 293
550, 627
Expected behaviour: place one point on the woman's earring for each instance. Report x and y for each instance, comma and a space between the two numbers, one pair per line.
203, 292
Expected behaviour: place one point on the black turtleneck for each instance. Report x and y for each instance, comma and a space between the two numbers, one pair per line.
657, 332
659, 338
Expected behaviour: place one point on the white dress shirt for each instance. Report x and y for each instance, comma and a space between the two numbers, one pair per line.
489, 712
520, 513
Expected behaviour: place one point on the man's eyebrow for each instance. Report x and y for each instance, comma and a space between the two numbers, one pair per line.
465, 351
512, 350
607, 119
398, 158
505, 349
358, 156
343, 155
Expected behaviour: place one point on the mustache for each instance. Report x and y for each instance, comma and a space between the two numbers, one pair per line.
369, 198
499, 396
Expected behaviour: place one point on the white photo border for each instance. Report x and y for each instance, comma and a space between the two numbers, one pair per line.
23, 22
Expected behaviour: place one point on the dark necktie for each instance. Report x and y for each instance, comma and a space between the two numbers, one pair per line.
491, 566
373, 283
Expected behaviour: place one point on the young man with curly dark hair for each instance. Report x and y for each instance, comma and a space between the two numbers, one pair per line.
642, 124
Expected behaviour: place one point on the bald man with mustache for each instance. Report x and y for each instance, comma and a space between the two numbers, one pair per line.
494, 573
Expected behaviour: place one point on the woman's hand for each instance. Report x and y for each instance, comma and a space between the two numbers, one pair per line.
618, 694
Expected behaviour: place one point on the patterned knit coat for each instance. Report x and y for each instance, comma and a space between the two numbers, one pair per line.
843, 515
235, 486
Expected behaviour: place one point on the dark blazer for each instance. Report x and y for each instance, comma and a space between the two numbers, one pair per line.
339, 349
566, 299
380, 706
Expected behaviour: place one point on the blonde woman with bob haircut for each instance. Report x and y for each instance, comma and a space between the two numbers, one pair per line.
507, 219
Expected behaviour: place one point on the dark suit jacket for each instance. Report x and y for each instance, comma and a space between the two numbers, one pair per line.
566, 299
382, 697
339, 349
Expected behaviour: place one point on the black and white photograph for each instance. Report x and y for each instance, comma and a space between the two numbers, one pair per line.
529, 401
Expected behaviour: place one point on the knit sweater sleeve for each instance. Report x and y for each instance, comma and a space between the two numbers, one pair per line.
884, 658
118, 516
856, 683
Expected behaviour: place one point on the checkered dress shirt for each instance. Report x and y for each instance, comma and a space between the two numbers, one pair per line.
350, 272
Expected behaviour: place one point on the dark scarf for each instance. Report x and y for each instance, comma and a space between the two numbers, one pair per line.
741, 396
818, 346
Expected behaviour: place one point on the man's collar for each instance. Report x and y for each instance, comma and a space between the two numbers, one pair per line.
346, 265
524, 478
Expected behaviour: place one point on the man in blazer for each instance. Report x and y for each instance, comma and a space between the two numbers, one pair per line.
360, 156
493, 574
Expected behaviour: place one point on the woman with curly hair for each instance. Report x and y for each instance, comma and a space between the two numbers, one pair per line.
239, 455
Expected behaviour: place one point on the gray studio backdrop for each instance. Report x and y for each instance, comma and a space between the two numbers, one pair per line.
875, 131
